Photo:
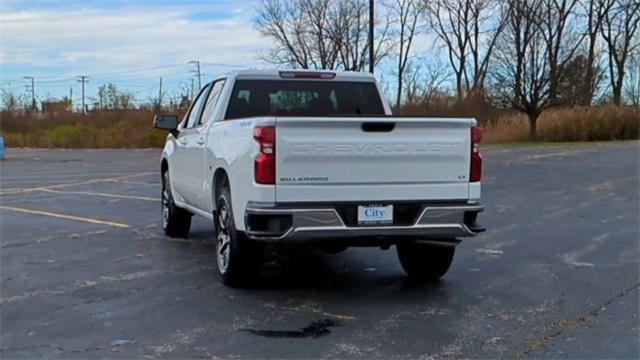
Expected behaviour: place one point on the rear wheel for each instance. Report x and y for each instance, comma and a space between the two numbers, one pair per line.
239, 259
425, 262
176, 222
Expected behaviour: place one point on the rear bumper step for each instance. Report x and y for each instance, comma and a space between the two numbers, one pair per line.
314, 223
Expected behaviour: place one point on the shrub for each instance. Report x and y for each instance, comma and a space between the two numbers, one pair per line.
67, 135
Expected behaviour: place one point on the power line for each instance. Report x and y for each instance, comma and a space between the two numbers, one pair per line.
226, 65
125, 81
137, 70
9, 81
135, 78
134, 70
54, 79
199, 64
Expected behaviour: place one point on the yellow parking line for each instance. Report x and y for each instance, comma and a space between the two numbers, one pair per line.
64, 216
117, 196
63, 185
93, 181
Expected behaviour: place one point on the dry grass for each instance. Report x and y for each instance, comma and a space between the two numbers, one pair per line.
133, 128
100, 129
569, 124
508, 128
586, 123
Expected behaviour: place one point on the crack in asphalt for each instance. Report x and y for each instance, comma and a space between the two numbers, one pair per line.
315, 329
56, 347
32, 347
571, 324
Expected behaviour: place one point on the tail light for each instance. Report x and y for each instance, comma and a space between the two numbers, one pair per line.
265, 163
476, 159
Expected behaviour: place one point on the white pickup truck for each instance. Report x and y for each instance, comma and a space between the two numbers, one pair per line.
316, 158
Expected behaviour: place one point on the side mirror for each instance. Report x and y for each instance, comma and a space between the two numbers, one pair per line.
166, 122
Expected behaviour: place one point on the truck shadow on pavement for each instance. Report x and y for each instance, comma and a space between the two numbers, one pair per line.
308, 268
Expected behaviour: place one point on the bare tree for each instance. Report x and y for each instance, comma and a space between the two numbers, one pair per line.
320, 34
157, 102
632, 83
112, 98
522, 69
289, 25
350, 32
560, 39
620, 25
593, 12
573, 89
407, 14
10, 102
469, 30
421, 84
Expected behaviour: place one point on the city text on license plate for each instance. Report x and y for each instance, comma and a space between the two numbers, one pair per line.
375, 214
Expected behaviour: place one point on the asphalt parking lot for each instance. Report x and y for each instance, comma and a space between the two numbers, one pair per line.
87, 273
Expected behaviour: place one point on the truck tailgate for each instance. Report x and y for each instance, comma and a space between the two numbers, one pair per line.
351, 159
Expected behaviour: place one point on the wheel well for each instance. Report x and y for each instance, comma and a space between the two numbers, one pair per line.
164, 167
219, 179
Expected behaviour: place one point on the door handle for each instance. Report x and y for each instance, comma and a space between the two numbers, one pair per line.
200, 141
182, 141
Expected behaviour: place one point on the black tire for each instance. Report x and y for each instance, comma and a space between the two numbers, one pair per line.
425, 262
239, 259
176, 222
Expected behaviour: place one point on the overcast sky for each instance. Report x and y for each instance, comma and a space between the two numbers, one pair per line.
129, 43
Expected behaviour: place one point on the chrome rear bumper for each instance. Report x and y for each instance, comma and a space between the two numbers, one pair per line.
309, 223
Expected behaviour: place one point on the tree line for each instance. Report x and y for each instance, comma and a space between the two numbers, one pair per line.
109, 97
528, 55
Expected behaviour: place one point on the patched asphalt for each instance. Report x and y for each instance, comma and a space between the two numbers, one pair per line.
86, 271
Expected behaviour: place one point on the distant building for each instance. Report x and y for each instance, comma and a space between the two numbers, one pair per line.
55, 106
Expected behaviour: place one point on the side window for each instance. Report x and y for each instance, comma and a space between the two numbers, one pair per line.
196, 108
212, 101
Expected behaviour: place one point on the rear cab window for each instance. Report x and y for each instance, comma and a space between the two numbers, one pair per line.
316, 98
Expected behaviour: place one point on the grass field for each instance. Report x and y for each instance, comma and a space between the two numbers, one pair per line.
133, 128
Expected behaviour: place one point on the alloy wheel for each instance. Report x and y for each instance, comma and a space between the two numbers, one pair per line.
166, 201
223, 240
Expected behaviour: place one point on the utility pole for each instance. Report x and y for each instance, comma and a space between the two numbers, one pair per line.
70, 98
83, 79
371, 50
33, 91
198, 74
191, 96
160, 95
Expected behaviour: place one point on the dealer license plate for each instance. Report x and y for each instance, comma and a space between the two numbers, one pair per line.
375, 214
